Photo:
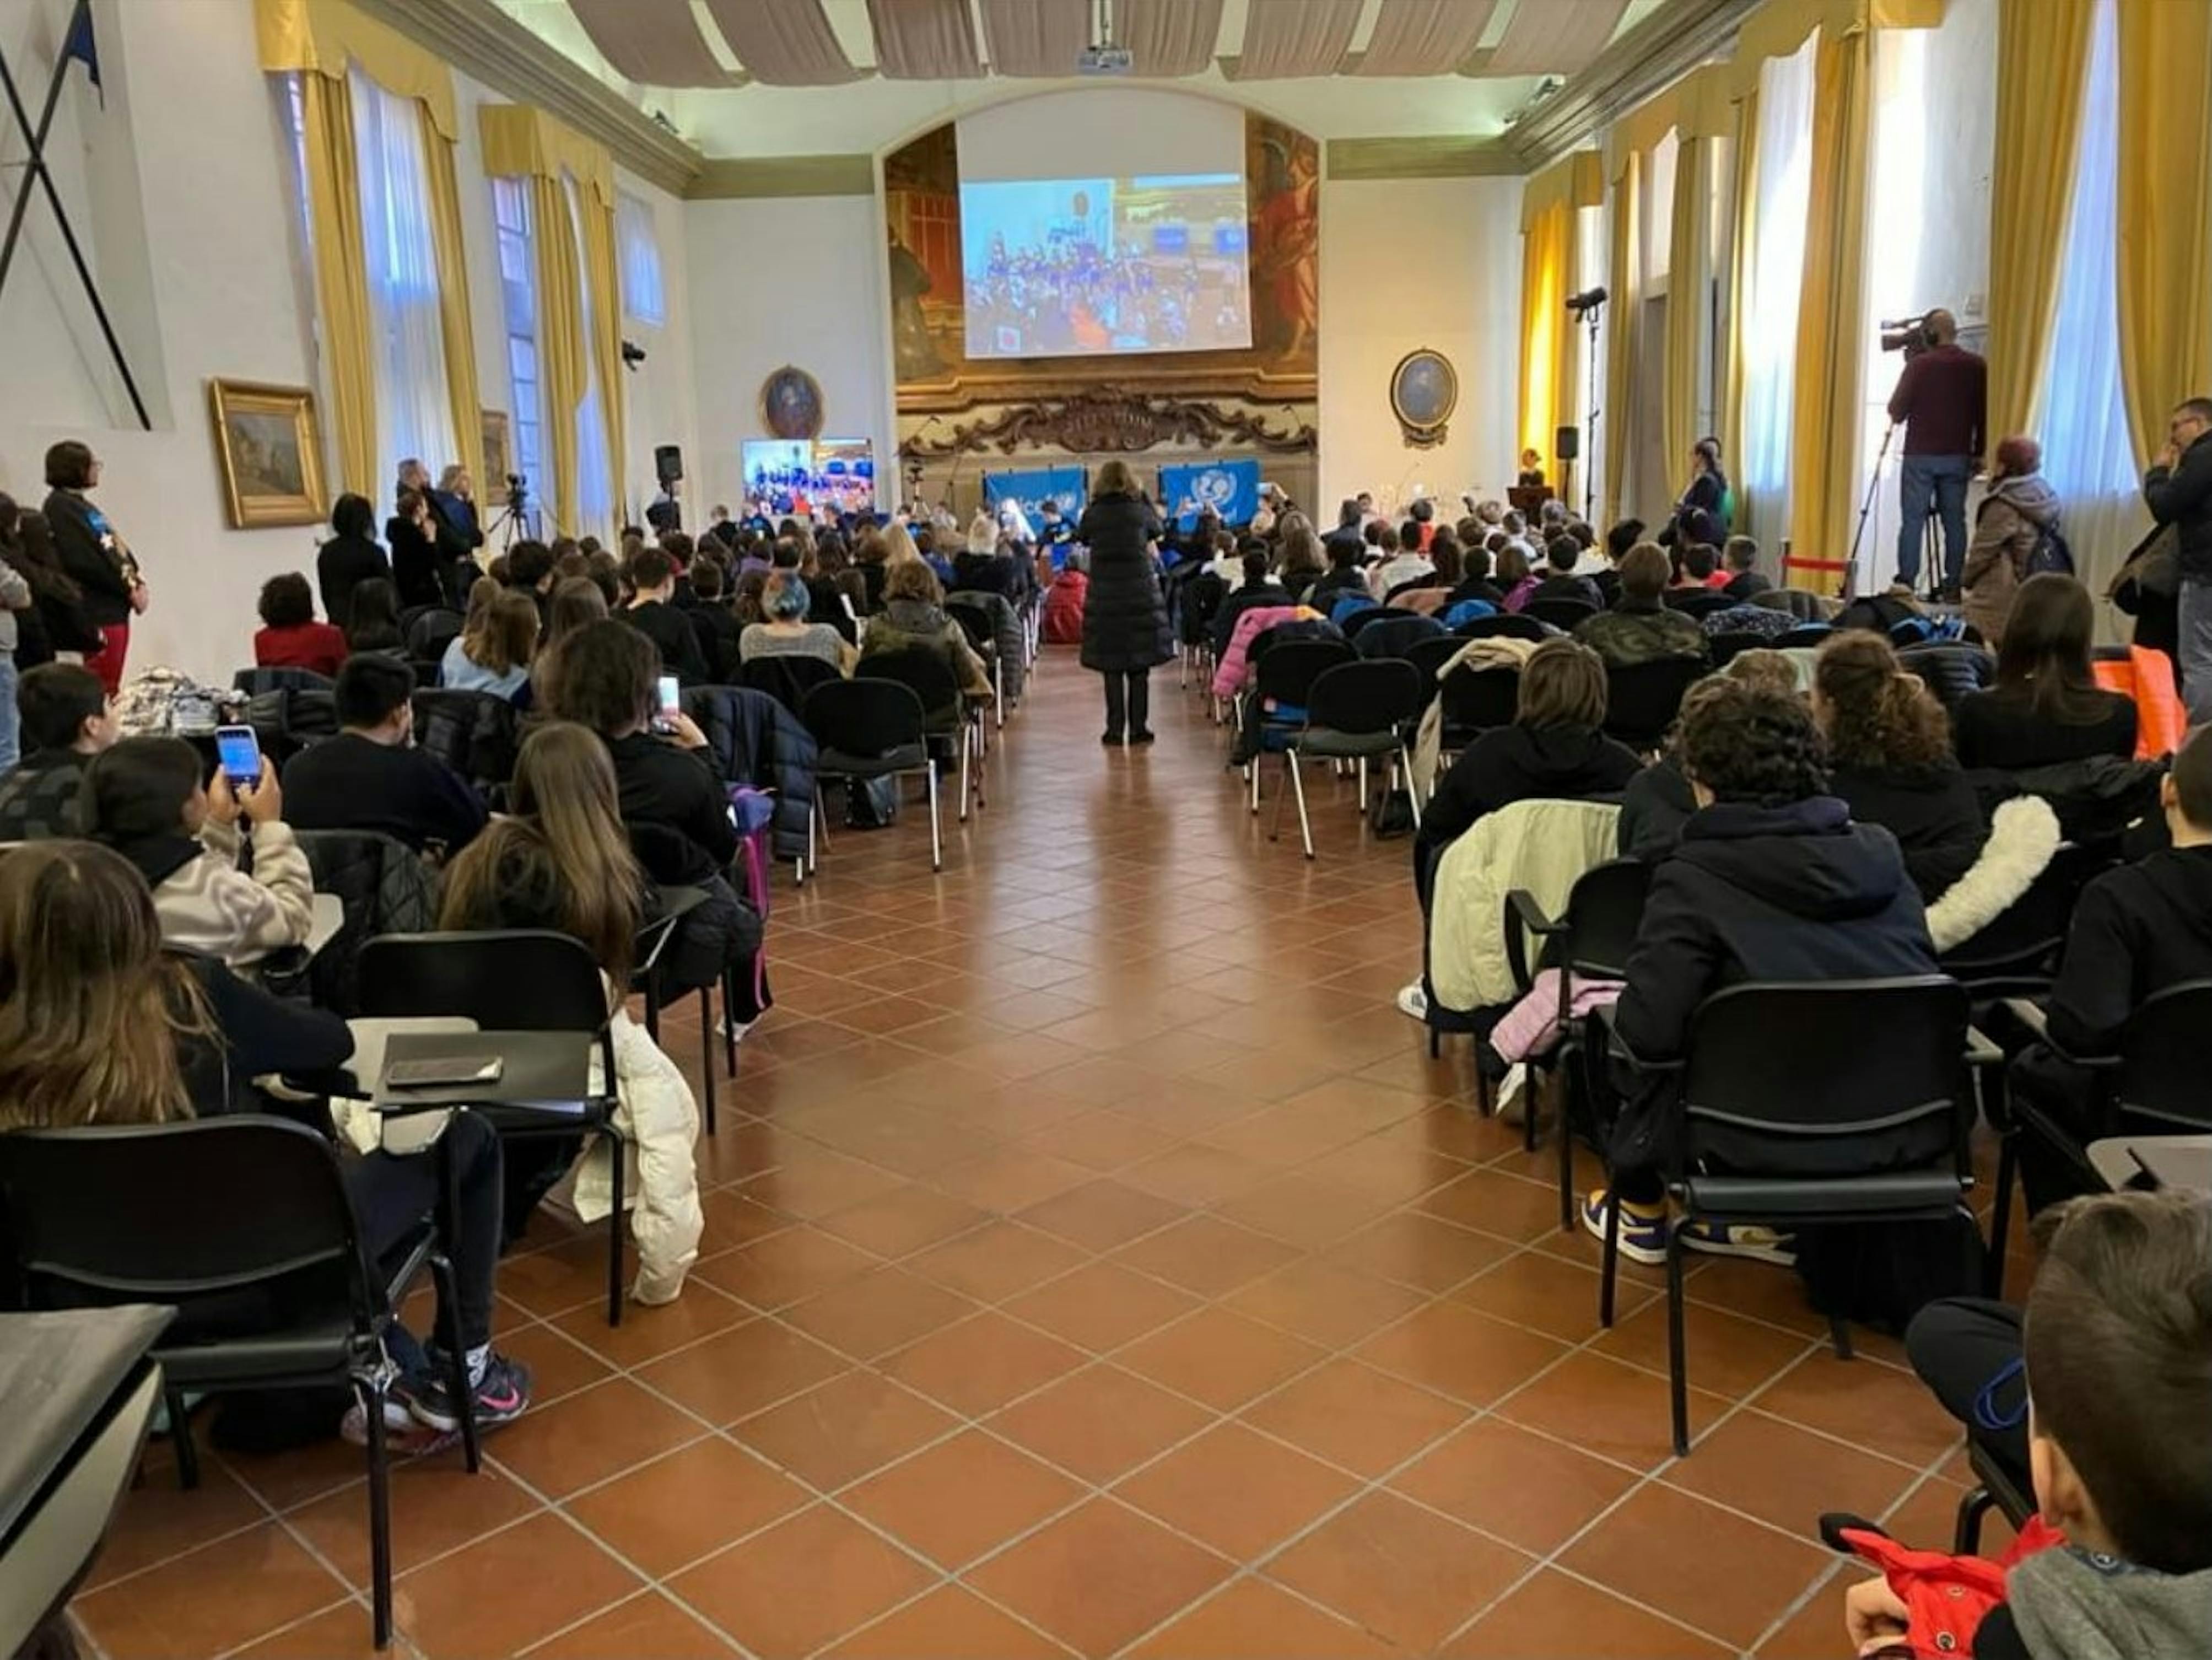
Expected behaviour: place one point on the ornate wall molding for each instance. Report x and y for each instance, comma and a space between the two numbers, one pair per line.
1647, 60
1110, 420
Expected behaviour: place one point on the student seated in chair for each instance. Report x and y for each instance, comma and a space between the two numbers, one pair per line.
1561, 554
1556, 748
144, 797
99, 1025
1640, 628
2135, 930
1771, 881
562, 862
652, 613
371, 777
2112, 1423
289, 637
67, 719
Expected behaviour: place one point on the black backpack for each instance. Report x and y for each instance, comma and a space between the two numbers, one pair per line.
2050, 552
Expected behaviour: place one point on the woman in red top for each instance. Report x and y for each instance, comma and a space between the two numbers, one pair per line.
290, 637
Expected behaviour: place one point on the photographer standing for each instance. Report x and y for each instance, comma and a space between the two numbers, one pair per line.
2178, 491
1941, 400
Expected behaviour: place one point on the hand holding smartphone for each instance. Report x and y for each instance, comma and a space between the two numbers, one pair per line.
669, 704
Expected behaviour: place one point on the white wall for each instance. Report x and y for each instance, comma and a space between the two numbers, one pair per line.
794, 281
186, 100
180, 188
1407, 264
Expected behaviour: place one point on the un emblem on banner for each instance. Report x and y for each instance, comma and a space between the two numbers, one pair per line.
1214, 489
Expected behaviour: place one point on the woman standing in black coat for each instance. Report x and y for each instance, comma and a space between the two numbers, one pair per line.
350, 558
1125, 619
414, 551
92, 557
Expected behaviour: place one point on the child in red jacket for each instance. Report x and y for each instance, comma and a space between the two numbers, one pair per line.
2119, 1347
1064, 602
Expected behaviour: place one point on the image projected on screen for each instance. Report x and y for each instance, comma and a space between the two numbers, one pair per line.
1065, 266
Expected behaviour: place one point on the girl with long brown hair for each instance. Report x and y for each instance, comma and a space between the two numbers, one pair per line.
1889, 758
99, 1025
2046, 706
563, 861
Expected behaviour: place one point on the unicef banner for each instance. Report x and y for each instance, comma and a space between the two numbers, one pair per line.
1231, 489
1033, 487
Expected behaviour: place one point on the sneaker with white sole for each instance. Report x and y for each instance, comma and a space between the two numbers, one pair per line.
500, 1395
1414, 1001
1740, 1239
1513, 1095
1643, 1229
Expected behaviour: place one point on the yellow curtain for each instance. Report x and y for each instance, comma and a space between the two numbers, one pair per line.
1689, 280
2042, 55
1825, 412
328, 35
2165, 210
454, 320
1547, 244
1743, 245
524, 142
341, 278
599, 271
563, 371
1620, 327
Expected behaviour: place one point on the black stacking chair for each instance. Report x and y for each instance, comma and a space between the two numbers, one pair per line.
1789, 1118
1642, 699
243, 1225
1354, 712
871, 729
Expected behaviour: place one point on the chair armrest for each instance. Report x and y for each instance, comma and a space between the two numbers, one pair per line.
1522, 903
2030, 1013
1980, 1052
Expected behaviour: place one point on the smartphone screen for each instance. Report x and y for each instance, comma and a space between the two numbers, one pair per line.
239, 753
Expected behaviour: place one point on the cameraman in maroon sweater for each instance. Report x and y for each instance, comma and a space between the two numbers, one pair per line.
1942, 401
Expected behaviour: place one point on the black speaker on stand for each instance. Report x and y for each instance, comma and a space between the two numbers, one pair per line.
1566, 450
668, 467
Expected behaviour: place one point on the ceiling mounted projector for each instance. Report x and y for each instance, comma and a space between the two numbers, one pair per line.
1105, 60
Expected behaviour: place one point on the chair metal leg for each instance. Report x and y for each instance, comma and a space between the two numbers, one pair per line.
1566, 1146
1436, 1044
617, 1220
1252, 772
1839, 1334
1289, 772
457, 1362
729, 1028
999, 686
707, 1051
1298, 789
1363, 784
2001, 1217
180, 1437
1531, 1095
982, 748
936, 834
372, 1390
964, 774
1609, 1268
820, 826
1966, 1531
1678, 1370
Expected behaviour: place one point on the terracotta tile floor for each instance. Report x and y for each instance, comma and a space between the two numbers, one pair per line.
1095, 1262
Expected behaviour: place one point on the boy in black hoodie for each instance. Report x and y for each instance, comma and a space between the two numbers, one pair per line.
2135, 930
1771, 881
2118, 1341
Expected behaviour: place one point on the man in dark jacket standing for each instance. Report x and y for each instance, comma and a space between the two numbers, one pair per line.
1942, 401
2179, 490
1771, 881
1125, 619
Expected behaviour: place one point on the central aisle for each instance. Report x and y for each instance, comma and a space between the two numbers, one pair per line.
1095, 1261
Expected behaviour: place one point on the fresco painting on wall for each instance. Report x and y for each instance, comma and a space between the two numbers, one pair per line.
921, 198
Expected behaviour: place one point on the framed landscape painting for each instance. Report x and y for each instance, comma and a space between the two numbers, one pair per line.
271, 452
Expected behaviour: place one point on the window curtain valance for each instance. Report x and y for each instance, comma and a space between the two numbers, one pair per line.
327, 37
521, 143
1573, 181
321, 40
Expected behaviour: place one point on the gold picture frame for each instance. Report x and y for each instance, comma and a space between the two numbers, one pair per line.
498, 458
271, 449
1424, 393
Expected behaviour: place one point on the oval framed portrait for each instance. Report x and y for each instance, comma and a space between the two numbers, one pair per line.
1423, 392
791, 404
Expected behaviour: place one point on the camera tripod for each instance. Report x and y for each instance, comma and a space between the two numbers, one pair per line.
1932, 549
